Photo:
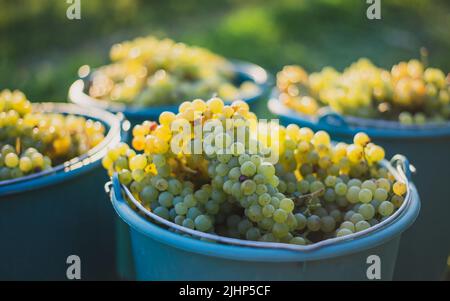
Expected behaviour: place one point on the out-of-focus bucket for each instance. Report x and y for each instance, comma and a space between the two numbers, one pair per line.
46, 217
426, 246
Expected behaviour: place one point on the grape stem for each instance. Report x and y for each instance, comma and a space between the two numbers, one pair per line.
187, 169
307, 197
18, 145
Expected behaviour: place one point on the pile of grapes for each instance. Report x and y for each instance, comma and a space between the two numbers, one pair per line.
32, 141
409, 93
151, 72
315, 191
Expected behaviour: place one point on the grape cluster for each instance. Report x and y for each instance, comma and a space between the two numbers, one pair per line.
314, 191
150, 72
409, 93
33, 141
14, 164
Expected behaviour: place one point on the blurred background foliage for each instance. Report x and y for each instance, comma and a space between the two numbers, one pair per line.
41, 50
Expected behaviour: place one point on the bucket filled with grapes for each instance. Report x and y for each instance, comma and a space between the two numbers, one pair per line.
52, 202
406, 110
214, 193
148, 76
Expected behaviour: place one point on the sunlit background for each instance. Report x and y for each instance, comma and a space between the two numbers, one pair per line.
41, 50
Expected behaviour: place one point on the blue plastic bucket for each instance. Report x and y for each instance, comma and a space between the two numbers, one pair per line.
244, 72
426, 246
160, 254
46, 217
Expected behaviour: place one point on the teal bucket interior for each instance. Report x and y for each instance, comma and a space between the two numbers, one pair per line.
244, 72
426, 245
160, 254
62, 213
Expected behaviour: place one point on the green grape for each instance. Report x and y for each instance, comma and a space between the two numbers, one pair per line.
298, 241
354, 182
367, 211
179, 219
192, 213
165, 199
329, 195
280, 230
340, 189
243, 226
365, 195
313, 223
336, 215
316, 186
264, 199
161, 184
11, 160
189, 223
178, 199
348, 225
175, 187
149, 194
353, 194
203, 223
190, 201
248, 168
327, 224
248, 187
287, 205
280, 216
348, 215
303, 186
386, 208
361, 225
181, 209
397, 200
268, 210
301, 221
380, 195
162, 212
212, 207
266, 169
266, 224
356, 218
253, 234
368, 184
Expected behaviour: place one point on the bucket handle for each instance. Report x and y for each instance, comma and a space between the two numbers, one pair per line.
107, 187
404, 168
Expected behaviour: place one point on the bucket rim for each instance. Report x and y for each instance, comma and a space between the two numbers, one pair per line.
76, 166
152, 231
350, 125
257, 74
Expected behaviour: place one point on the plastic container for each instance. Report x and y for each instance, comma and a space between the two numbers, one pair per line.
244, 72
46, 217
426, 246
160, 254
